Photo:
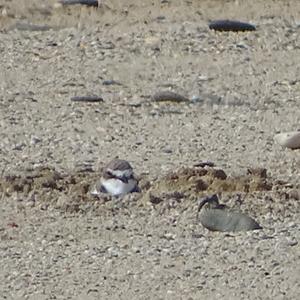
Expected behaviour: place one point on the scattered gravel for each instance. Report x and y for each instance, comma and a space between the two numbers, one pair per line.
59, 243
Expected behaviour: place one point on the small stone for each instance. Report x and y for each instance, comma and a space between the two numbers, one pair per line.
241, 45
35, 140
19, 146
135, 102
168, 96
231, 25
112, 252
169, 236
292, 242
167, 150
87, 99
110, 82
288, 139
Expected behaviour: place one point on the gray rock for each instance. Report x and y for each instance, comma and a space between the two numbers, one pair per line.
169, 96
217, 217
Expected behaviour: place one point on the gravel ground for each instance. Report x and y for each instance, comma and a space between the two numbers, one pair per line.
57, 242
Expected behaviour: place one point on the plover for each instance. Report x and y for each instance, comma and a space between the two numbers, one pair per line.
117, 179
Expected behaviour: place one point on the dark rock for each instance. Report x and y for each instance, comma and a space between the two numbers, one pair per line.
230, 25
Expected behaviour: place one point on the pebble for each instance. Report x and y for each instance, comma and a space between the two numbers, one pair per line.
230, 25
87, 99
19, 146
288, 139
35, 140
82, 2
292, 242
165, 96
111, 82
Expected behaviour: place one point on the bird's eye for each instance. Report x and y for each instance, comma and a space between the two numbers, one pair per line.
110, 174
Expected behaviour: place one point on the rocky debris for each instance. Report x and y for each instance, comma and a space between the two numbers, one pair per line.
50, 188
70, 192
197, 182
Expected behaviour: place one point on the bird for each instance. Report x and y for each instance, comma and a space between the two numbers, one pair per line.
117, 179
218, 217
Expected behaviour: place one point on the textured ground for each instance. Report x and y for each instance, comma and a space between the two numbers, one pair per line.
57, 242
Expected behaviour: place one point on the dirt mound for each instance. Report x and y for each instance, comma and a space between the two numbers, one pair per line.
182, 187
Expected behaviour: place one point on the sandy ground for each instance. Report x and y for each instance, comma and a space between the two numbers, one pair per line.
57, 242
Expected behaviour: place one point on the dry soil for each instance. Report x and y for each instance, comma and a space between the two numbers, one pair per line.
58, 242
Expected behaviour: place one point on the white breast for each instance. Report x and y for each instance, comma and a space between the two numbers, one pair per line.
117, 187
